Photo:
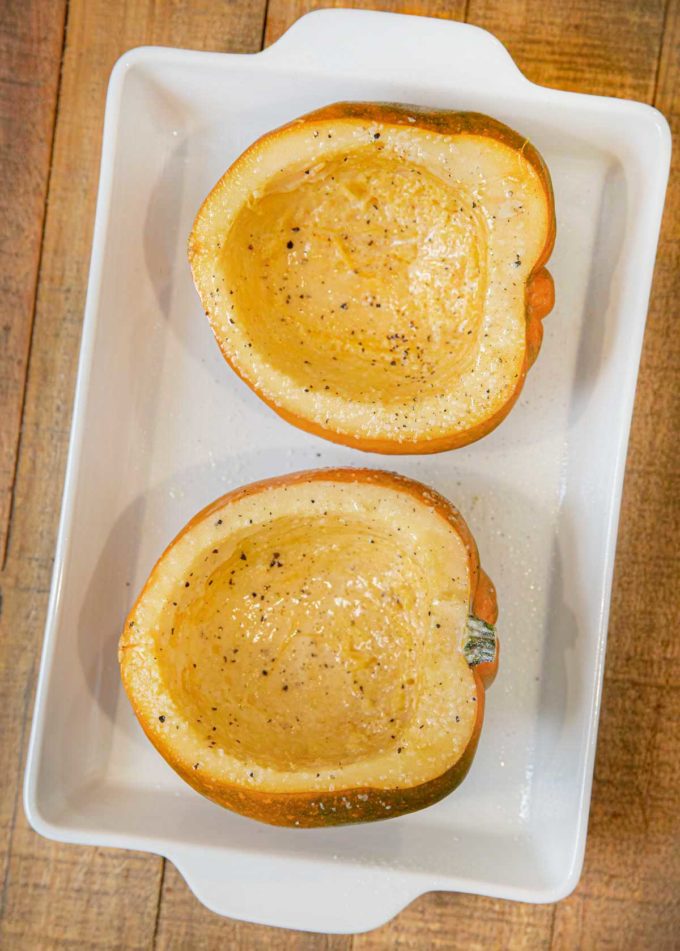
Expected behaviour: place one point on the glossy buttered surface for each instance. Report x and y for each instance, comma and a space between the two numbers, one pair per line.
363, 278
307, 634
367, 270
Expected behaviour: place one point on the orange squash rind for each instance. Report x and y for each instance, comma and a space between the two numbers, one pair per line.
325, 680
375, 272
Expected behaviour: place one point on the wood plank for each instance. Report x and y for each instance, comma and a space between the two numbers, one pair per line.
441, 921
628, 896
31, 37
55, 894
283, 13
593, 46
61, 895
648, 562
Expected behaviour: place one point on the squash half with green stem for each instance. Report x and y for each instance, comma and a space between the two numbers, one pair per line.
375, 272
313, 649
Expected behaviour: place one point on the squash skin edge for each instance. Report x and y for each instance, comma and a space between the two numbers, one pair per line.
539, 288
361, 804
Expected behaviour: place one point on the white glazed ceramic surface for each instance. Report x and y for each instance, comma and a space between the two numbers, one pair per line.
162, 426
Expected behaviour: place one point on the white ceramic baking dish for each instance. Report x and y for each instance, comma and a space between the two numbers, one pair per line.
161, 427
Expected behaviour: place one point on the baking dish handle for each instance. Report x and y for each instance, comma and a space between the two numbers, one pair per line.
363, 42
265, 888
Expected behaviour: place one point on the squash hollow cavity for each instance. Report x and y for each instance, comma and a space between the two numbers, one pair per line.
298, 653
300, 646
374, 272
361, 277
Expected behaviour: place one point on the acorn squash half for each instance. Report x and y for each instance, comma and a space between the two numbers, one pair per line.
375, 272
312, 650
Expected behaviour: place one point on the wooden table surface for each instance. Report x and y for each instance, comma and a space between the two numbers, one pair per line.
55, 59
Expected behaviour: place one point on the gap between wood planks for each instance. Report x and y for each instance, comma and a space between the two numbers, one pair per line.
28, 687
659, 59
22, 406
161, 882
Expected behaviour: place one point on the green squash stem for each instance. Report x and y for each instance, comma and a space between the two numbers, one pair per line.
480, 643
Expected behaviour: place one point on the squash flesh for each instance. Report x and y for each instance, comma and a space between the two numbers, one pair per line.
464, 218
300, 651
369, 274
350, 724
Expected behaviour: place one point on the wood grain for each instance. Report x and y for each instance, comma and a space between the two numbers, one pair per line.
283, 13
440, 921
629, 895
594, 46
31, 35
88, 898
31, 38
59, 895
